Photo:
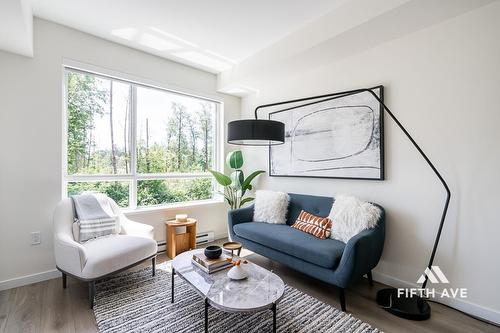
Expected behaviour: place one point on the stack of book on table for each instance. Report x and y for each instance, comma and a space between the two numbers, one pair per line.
210, 265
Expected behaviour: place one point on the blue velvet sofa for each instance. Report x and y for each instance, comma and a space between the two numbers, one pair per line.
328, 260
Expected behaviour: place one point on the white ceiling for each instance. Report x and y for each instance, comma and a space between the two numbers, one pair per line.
248, 43
211, 35
353, 27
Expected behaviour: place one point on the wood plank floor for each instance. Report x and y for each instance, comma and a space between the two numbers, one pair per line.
46, 307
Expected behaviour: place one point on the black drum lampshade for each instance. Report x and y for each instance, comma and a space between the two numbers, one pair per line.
255, 132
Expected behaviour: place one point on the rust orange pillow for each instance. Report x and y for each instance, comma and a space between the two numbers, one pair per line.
314, 225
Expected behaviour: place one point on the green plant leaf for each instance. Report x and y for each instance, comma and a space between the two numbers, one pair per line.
246, 183
226, 197
237, 178
234, 159
241, 178
244, 201
221, 178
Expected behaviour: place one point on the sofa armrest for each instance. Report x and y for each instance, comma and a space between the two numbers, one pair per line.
362, 253
237, 216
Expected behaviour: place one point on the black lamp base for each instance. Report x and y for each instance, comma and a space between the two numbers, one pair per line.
411, 307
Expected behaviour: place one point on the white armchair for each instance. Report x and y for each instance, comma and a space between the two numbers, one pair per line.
103, 256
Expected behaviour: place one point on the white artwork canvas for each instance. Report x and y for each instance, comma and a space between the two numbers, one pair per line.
337, 138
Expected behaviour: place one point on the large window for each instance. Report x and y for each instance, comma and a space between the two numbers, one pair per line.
142, 146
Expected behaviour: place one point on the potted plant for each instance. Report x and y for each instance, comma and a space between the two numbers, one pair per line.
235, 184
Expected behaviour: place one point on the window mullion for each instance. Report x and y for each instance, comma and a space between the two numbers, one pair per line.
97, 178
218, 140
64, 182
153, 176
133, 146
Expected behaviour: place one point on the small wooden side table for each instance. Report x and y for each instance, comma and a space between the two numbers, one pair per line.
177, 243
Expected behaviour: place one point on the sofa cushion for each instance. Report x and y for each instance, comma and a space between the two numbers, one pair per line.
321, 252
111, 253
319, 206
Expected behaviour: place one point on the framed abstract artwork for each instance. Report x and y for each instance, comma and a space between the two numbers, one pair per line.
340, 137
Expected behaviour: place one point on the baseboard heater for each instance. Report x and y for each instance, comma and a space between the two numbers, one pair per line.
205, 237
201, 238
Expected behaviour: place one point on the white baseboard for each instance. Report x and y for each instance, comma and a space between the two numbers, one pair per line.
461, 304
29, 279
391, 281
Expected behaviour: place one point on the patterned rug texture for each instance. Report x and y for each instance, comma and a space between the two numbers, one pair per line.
137, 302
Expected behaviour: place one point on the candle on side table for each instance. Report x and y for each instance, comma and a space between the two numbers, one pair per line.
181, 217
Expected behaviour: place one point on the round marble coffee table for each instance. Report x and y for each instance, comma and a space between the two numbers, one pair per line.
261, 290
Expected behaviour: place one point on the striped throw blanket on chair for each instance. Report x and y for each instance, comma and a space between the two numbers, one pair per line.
94, 217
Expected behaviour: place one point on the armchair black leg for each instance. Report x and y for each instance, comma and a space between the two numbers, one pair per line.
153, 264
91, 293
370, 278
342, 299
64, 280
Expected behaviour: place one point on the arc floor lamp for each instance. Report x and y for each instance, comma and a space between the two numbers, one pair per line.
261, 132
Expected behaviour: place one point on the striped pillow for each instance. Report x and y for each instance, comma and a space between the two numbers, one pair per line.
314, 225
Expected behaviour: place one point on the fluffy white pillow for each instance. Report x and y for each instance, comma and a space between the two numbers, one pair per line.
270, 207
350, 216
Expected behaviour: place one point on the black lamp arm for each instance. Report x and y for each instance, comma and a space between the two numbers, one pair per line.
333, 96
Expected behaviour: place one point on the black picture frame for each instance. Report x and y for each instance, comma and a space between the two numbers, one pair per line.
321, 98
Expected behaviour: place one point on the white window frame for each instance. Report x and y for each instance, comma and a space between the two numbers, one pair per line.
133, 177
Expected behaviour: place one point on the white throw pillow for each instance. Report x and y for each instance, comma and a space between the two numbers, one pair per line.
270, 207
350, 216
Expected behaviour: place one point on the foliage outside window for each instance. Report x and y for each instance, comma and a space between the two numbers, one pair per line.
141, 146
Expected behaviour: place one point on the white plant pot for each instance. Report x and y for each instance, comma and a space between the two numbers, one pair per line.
237, 273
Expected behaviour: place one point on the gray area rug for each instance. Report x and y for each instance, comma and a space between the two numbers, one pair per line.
138, 302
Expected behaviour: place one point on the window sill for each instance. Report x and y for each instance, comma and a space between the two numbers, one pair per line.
166, 207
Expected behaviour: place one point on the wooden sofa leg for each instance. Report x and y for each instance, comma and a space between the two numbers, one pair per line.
370, 278
342, 299
153, 264
91, 293
64, 280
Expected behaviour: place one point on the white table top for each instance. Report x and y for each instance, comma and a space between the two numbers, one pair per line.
258, 291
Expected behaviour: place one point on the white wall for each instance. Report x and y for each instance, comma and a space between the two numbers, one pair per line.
443, 83
30, 132
16, 27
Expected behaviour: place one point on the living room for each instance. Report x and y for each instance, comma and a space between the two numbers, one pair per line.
333, 157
